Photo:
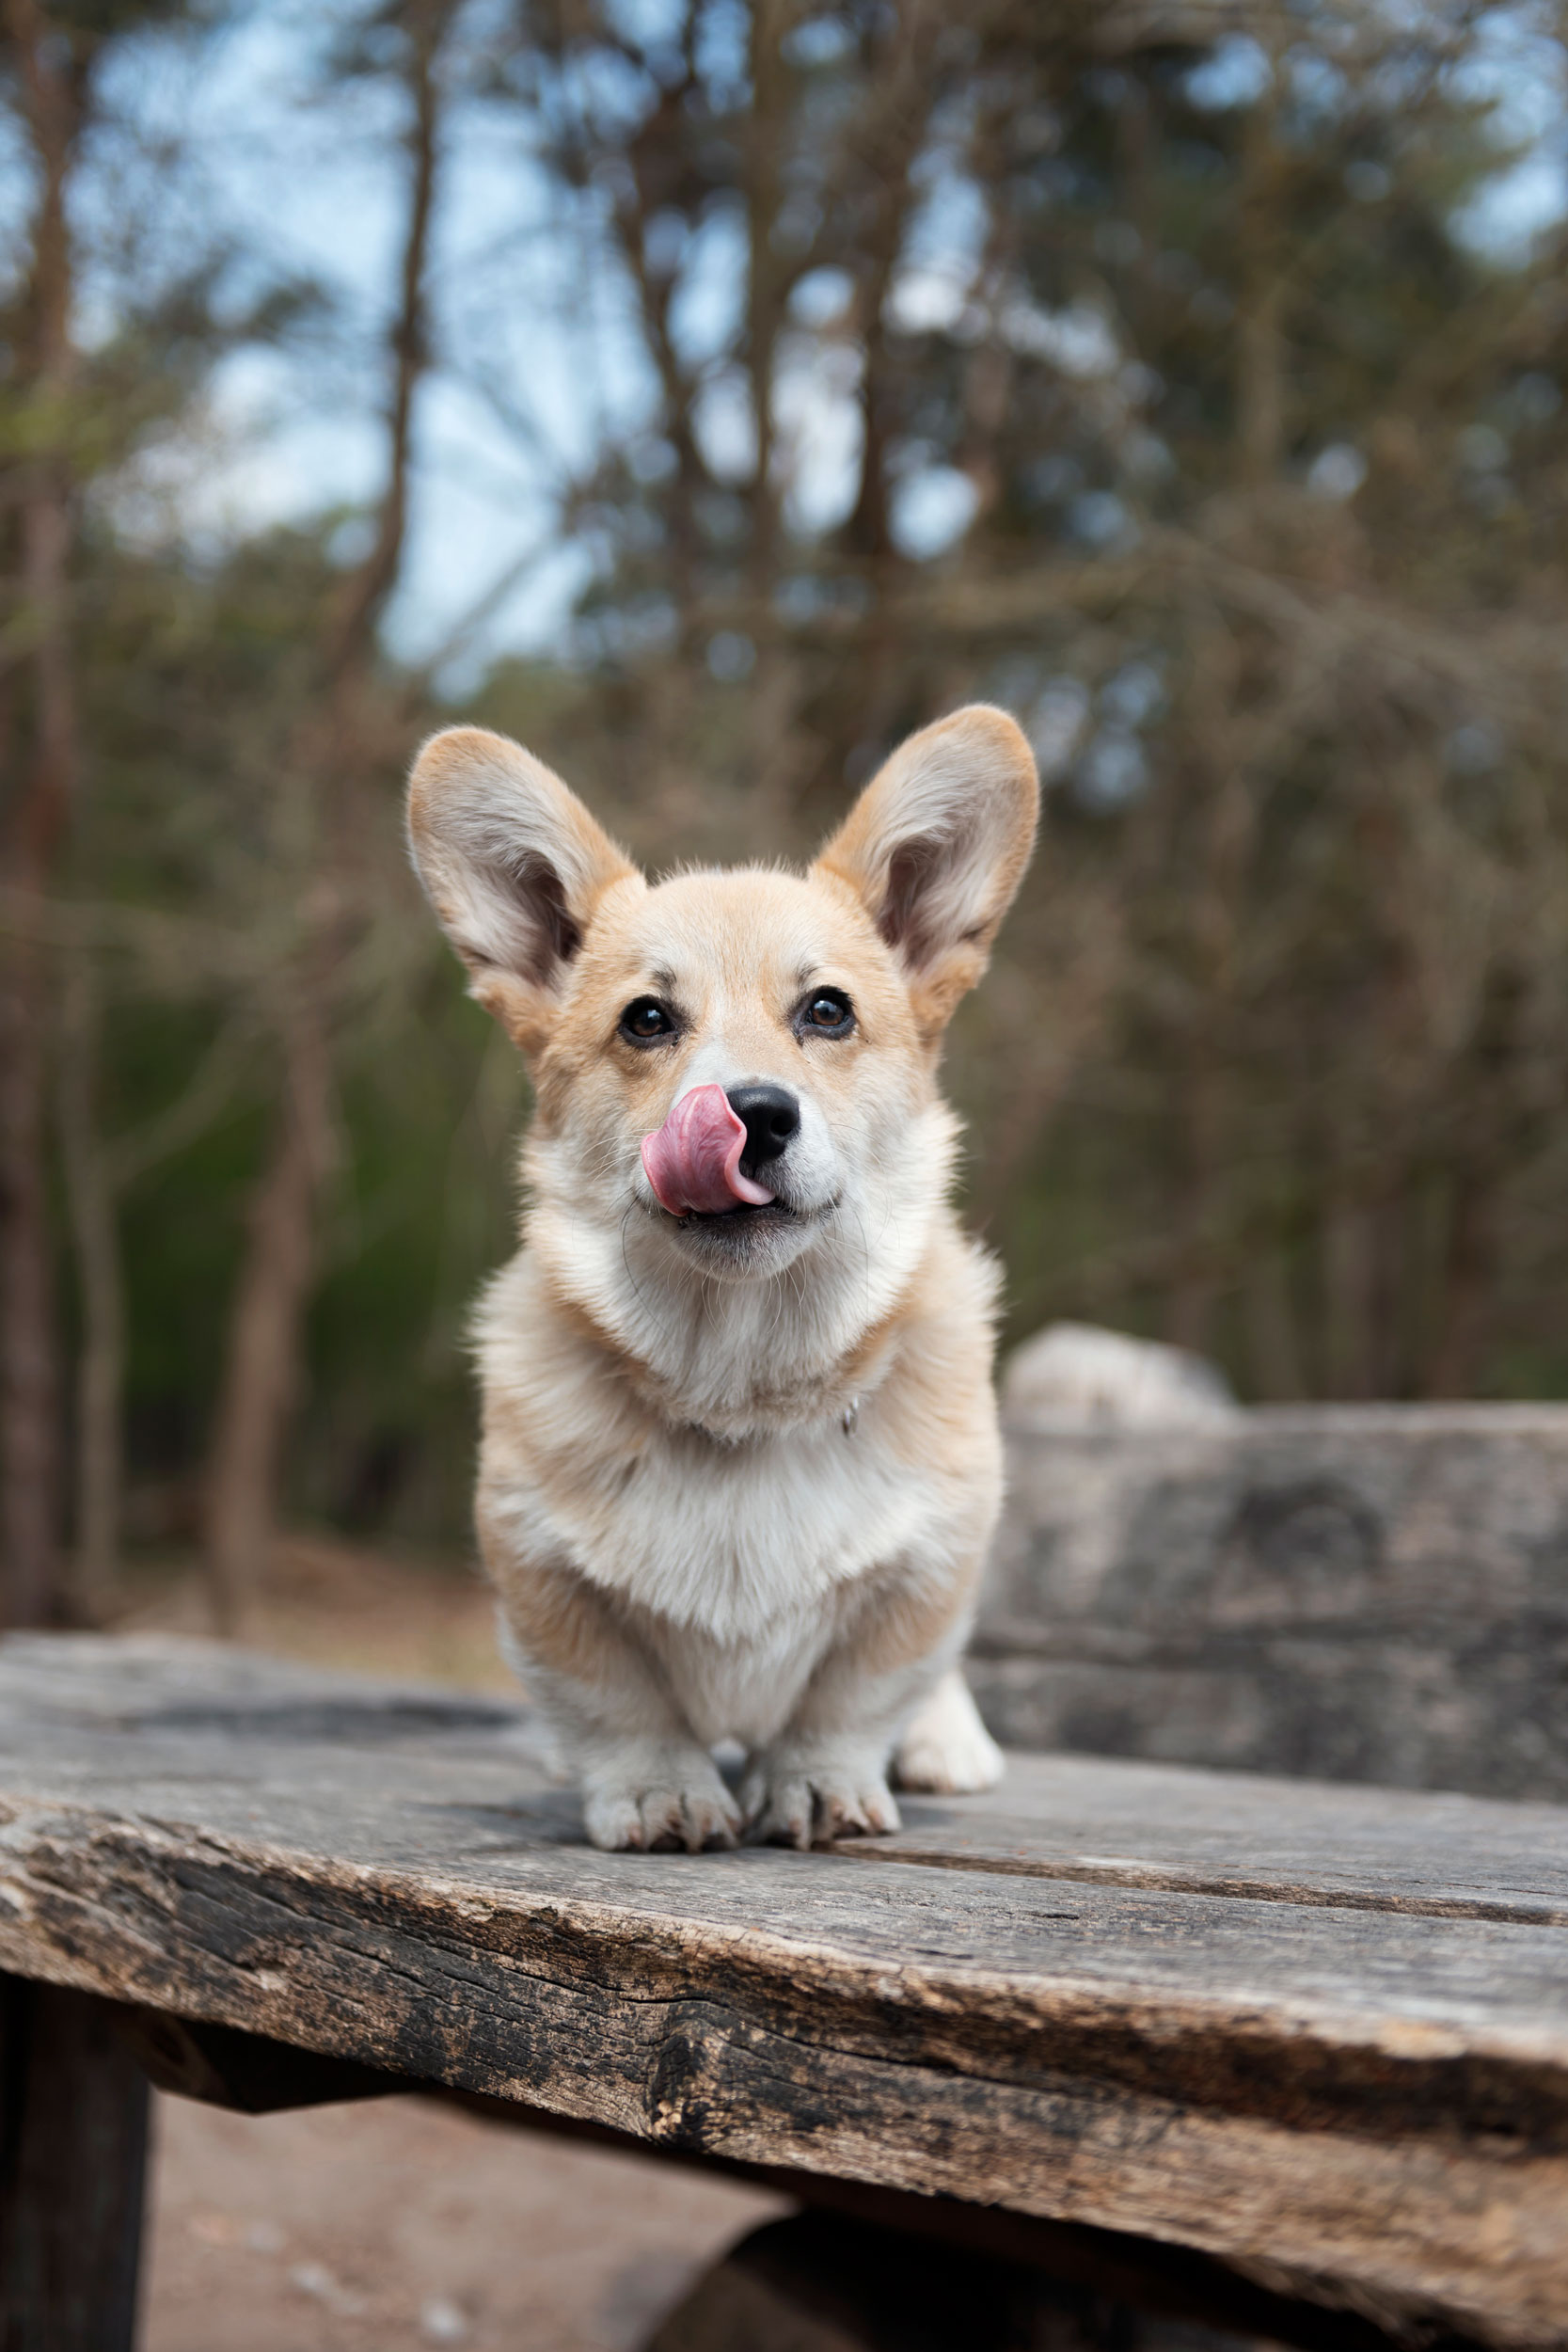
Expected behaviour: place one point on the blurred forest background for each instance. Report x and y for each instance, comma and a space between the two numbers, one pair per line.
708, 391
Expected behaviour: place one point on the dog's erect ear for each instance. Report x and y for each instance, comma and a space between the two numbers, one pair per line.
514, 866
936, 846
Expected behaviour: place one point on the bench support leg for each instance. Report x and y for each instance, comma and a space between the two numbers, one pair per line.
72, 2168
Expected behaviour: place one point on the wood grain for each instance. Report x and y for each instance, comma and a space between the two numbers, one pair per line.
1361, 2099
1130, 1824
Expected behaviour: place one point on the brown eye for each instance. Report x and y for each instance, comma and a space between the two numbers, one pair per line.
829, 1014
645, 1021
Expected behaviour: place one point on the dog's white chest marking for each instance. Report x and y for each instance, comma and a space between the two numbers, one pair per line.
729, 1539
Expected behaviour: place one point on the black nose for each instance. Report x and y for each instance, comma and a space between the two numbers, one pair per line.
771, 1115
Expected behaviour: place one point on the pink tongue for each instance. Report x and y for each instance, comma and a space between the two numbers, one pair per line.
694, 1160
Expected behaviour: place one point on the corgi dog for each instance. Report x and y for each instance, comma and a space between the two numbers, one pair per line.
740, 1461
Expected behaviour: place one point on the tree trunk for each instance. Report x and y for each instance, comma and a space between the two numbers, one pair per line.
29, 1444
30, 1432
1273, 1357
1259, 328
767, 279
1350, 1295
101, 1366
1501, 1133
261, 1373
1468, 1276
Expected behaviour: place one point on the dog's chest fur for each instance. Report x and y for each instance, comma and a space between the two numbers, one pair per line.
752, 1546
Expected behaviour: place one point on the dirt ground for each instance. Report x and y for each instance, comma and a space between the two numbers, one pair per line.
338, 1604
400, 2223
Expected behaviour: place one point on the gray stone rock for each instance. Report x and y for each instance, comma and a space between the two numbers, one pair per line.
1355, 1593
1077, 1372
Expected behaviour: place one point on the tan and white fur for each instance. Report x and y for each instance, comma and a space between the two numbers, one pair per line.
739, 1474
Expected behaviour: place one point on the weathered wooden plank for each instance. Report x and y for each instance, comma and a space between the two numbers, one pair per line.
1372, 2104
434, 1805
774, 2051
1126, 1825
247, 1729
73, 2163
1374, 1593
222, 2066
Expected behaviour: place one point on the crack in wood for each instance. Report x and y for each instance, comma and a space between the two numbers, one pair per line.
1237, 1889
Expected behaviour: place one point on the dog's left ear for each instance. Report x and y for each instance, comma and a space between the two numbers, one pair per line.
515, 868
936, 846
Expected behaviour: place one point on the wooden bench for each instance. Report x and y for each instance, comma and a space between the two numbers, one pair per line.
1291, 2058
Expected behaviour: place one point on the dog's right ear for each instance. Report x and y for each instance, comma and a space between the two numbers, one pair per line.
513, 865
935, 847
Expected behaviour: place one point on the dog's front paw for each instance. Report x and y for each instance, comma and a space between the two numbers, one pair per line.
946, 1749
808, 1797
659, 1799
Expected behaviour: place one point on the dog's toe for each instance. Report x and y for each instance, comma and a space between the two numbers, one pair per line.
864, 1810
689, 1820
780, 1811
662, 1812
613, 1820
804, 1806
703, 1818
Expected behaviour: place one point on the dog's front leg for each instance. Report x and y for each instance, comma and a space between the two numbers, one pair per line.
826, 1774
647, 1782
